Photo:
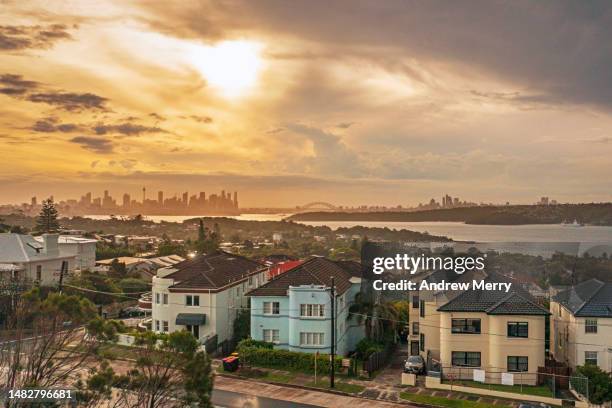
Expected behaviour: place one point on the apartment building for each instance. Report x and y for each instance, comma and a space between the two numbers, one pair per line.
203, 295
293, 310
24, 257
581, 325
489, 330
83, 249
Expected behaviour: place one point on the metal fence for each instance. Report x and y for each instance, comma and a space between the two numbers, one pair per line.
527, 383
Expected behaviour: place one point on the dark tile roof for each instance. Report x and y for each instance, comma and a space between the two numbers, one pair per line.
315, 271
212, 271
496, 302
352, 267
592, 298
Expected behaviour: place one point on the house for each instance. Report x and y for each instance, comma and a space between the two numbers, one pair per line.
83, 249
204, 295
581, 325
24, 257
293, 309
141, 266
494, 331
165, 261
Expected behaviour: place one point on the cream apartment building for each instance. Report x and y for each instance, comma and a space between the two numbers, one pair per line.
204, 295
493, 331
581, 325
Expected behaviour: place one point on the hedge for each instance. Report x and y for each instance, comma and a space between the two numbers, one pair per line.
266, 357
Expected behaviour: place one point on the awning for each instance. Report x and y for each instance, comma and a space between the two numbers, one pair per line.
190, 319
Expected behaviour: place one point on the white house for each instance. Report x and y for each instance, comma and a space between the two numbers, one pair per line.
39, 261
84, 250
581, 325
203, 295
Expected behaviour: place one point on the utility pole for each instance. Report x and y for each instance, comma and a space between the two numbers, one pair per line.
333, 334
63, 269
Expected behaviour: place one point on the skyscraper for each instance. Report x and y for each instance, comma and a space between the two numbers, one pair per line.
160, 198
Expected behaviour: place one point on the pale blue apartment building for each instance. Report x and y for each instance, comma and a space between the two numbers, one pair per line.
293, 310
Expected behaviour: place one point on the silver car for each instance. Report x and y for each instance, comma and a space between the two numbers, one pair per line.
414, 365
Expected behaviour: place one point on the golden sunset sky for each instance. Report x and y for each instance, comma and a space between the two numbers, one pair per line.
351, 102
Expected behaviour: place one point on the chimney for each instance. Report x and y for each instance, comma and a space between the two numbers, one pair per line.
50, 243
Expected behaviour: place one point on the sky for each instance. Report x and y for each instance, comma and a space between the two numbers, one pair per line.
288, 102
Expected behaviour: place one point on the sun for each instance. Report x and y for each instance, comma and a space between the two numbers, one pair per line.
230, 67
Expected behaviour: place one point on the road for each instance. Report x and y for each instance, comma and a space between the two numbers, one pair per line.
290, 396
229, 399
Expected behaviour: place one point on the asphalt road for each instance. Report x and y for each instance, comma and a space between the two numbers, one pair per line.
229, 399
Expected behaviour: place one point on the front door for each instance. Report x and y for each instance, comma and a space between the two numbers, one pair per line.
414, 348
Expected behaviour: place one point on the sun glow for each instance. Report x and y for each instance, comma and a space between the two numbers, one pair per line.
230, 67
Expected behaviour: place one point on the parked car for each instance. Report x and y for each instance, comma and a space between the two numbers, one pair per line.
414, 365
131, 312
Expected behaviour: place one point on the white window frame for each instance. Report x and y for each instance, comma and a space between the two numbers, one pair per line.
271, 336
312, 310
312, 339
165, 298
165, 326
156, 325
590, 326
591, 353
195, 300
157, 298
271, 308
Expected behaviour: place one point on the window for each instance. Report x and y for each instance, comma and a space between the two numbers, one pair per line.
165, 325
250, 280
165, 298
192, 300
38, 272
590, 326
465, 326
422, 342
311, 339
415, 302
271, 308
415, 328
157, 298
466, 359
590, 358
518, 364
312, 310
518, 329
156, 325
271, 335
422, 305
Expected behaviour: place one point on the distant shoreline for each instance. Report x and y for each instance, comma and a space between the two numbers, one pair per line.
571, 214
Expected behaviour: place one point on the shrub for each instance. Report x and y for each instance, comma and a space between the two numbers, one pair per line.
268, 357
254, 343
366, 347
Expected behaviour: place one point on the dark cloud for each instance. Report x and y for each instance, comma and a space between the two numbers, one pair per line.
94, 144
15, 86
157, 116
126, 129
16, 38
345, 125
51, 125
70, 101
560, 51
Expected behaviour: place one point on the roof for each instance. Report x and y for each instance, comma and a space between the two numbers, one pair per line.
70, 239
164, 261
592, 298
315, 271
496, 302
212, 271
127, 260
23, 248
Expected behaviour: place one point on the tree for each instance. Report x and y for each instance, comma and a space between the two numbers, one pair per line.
48, 346
242, 325
169, 372
600, 383
117, 269
47, 219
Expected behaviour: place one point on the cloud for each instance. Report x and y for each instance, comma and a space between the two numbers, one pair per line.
126, 129
199, 118
345, 125
94, 144
51, 125
20, 37
603, 140
70, 101
157, 116
14, 85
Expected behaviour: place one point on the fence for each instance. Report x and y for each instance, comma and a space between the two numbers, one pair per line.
378, 360
579, 384
539, 383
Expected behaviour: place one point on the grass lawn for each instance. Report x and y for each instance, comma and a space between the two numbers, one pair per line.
446, 402
340, 386
541, 391
278, 377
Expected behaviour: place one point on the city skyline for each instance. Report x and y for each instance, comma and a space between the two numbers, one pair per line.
375, 102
